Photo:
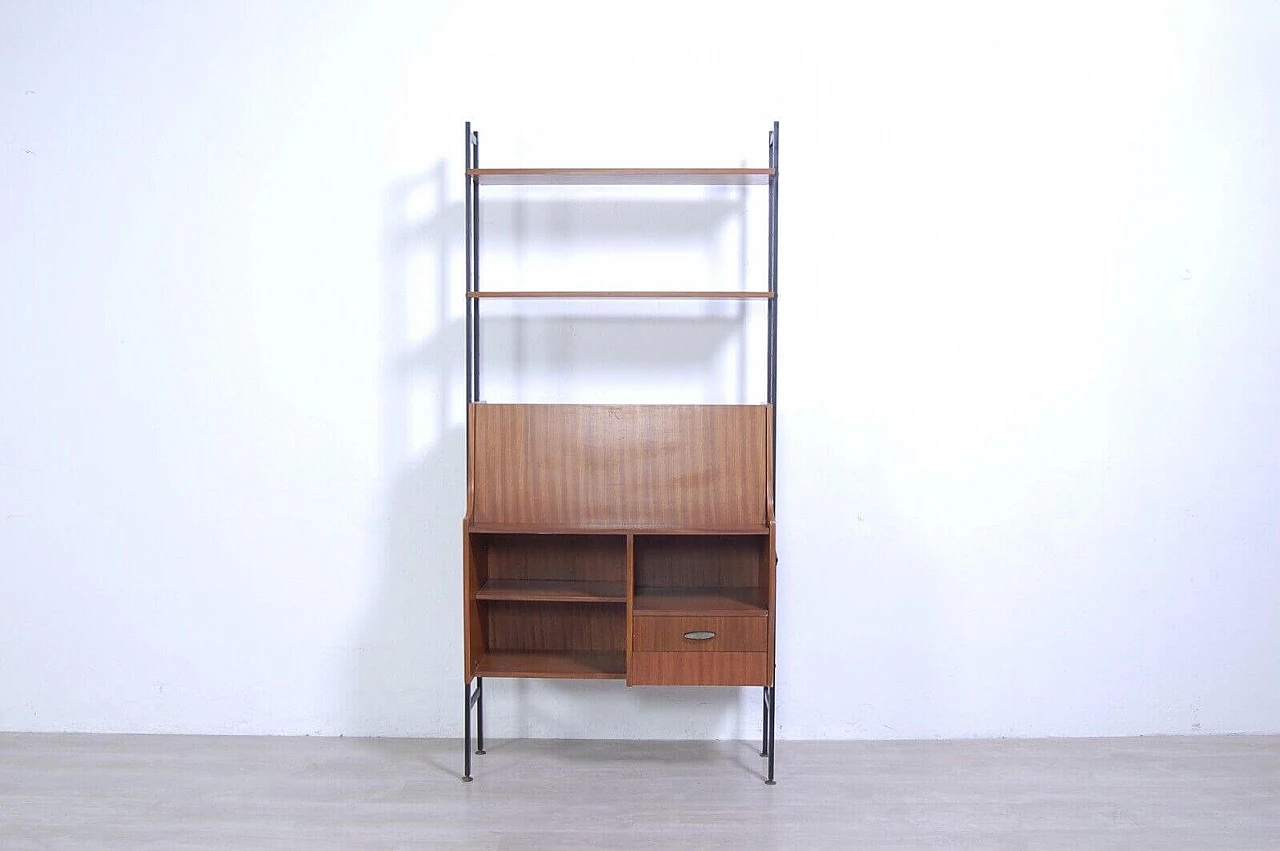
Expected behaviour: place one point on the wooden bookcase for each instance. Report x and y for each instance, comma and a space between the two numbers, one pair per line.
624, 542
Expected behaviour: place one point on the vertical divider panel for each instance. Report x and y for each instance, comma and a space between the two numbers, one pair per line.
631, 595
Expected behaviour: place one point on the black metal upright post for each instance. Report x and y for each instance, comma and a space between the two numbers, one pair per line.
770, 696
480, 716
468, 193
475, 270
466, 734
773, 720
764, 722
472, 697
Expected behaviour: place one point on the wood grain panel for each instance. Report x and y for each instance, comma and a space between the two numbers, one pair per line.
697, 669
668, 633
517, 625
558, 664
582, 558
619, 466
473, 622
681, 561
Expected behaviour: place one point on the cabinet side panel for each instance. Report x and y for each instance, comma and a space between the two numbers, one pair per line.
620, 466
474, 574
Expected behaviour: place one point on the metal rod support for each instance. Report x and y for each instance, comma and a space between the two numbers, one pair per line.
475, 269
764, 722
773, 719
480, 716
466, 727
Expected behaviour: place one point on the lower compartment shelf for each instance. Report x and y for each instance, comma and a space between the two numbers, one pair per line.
554, 664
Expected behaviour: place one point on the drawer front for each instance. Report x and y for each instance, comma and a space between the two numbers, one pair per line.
698, 669
695, 633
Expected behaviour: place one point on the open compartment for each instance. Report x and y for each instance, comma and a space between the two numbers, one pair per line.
723, 575
563, 568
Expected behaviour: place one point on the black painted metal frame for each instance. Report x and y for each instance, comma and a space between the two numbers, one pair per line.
473, 696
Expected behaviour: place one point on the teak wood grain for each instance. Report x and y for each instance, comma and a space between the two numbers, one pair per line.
553, 590
679, 561
555, 664
582, 558
619, 466
671, 633
538, 626
722, 602
675, 668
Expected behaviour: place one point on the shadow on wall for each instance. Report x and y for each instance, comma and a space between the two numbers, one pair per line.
407, 677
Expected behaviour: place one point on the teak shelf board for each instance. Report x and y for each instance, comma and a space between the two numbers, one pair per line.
554, 664
740, 602
708, 295
553, 590
525, 529
621, 176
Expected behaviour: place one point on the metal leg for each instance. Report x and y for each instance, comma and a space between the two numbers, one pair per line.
773, 716
466, 726
480, 715
764, 721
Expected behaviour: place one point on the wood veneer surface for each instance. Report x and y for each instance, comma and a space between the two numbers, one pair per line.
670, 633
528, 625
682, 561
587, 558
698, 669
554, 664
619, 466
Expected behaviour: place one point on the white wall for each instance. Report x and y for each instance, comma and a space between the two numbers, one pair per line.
1028, 453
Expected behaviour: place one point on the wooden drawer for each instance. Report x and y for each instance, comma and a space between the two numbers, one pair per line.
672, 633
699, 669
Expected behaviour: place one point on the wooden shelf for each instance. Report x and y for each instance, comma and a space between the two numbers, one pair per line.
621, 176
705, 601
706, 295
518, 529
554, 664
550, 590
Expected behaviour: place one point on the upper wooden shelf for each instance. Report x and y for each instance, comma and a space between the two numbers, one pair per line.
633, 294
621, 176
578, 529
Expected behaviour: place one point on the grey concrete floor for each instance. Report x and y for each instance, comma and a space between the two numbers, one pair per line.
96, 791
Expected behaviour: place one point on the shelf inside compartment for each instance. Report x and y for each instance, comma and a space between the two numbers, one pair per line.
565, 591
557, 664
745, 602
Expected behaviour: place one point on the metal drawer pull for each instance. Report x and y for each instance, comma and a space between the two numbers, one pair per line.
700, 635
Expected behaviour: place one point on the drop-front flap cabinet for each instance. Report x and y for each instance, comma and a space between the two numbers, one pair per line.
624, 542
